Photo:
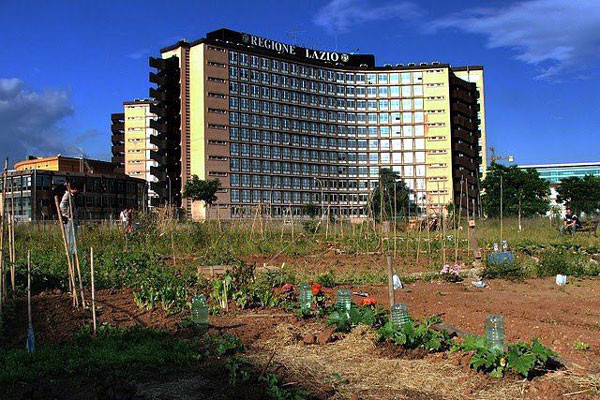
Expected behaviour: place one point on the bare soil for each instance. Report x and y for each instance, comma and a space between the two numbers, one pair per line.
559, 316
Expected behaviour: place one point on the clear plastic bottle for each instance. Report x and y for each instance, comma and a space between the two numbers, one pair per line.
344, 300
305, 296
494, 331
495, 247
504, 245
399, 314
199, 310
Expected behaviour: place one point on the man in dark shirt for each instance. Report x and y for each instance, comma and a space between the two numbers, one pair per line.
570, 223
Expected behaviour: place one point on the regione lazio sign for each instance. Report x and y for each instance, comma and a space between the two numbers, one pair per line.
291, 49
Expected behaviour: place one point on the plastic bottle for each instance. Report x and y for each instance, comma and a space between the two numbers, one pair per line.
400, 314
199, 310
344, 300
494, 331
305, 296
504, 246
495, 247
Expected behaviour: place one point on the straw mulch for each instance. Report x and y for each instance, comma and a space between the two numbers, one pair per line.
351, 367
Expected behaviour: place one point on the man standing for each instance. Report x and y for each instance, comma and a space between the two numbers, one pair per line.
70, 215
570, 223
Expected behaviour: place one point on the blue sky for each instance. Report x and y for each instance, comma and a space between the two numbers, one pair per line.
66, 65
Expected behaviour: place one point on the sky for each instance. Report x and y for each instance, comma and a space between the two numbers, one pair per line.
65, 66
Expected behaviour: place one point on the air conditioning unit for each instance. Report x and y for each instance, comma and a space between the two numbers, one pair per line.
411, 64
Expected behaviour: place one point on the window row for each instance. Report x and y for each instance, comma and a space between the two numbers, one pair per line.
313, 87
276, 167
268, 64
265, 121
319, 111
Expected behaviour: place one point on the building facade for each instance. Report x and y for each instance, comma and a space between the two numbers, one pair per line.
554, 173
29, 194
281, 126
131, 142
68, 164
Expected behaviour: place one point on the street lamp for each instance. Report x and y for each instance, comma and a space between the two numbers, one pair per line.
321, 184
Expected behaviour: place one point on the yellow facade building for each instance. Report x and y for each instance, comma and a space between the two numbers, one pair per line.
281, 126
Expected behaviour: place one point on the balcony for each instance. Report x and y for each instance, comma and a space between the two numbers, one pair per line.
117, 138
118, 149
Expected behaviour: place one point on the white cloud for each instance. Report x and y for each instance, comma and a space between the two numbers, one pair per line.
29, 120
140, 53
341, 15
554, 35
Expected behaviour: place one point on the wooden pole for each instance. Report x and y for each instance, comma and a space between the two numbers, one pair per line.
68, 253
93, 289
12, 241
456, 230
72, 222
30, 335
2, 231
391, 294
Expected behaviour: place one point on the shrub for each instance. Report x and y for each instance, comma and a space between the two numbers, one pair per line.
504, 270
559, 261
365, 315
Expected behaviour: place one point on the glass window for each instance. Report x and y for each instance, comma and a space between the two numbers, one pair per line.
406, 91
394, 91
418, 90
394, 78
408, 145
397, 144
383, 91
405, 77
383, 79
396, 158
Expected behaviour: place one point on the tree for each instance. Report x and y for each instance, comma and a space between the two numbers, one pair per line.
199, 190
524, 193
396, 197
310, 209
581, 194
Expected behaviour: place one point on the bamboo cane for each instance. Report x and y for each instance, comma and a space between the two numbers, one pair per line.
30, 335
2, 231
456, 231
68, 254
12, 241
75, 248
93, 289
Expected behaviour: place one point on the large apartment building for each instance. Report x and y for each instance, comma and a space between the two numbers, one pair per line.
281, 126
132, 147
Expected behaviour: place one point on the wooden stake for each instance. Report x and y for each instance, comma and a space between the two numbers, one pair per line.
391, 294
93, 289
72, 222
68, 253
30, 335
2, 230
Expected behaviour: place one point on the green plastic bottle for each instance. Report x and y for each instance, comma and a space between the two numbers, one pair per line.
344, 300
494, 331
200, 310
305, 296
399, 314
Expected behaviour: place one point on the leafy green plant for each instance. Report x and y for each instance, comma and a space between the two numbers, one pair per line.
581, 346
522, 358
225, 344
412, 336
222, 290
327, 279
238, 368
367, 315
504, 270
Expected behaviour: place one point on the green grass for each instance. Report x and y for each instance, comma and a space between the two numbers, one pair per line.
130, 353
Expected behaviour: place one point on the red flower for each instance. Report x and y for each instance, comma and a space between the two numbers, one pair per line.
316, 288
287, 287
368, 302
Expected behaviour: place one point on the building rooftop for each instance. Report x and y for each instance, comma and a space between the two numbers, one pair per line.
563, 165
240, 41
